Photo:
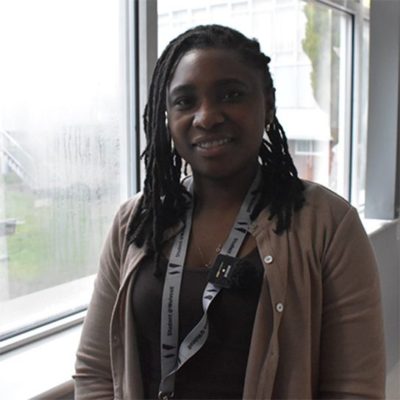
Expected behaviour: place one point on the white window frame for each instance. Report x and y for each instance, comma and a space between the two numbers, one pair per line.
70, 312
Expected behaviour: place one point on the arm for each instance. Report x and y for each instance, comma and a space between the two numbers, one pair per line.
352, 361
93, 377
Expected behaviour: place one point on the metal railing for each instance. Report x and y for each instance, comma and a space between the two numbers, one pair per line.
17, 158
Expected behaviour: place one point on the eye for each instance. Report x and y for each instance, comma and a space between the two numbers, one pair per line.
233, 95
183, 102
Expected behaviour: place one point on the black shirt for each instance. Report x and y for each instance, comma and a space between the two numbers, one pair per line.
217, 370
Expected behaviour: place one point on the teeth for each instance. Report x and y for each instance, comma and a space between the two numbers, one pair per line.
213, 143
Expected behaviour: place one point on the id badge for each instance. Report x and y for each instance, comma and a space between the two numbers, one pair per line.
222, 270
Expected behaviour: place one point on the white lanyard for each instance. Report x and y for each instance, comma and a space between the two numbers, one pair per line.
172, 356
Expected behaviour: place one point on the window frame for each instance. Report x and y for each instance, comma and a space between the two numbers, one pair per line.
382, 197
130, 72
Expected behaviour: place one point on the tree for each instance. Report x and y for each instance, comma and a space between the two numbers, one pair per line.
321, 44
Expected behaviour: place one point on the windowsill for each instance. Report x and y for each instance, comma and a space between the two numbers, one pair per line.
33, 369
41, 359
374, 226
45, 304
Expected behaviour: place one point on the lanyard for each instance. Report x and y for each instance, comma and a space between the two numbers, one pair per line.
172, 355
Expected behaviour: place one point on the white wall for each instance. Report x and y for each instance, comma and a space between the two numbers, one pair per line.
386, 243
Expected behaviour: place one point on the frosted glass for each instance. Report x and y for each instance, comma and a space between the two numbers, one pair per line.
61, 139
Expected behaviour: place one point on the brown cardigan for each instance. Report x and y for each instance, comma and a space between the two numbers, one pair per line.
327, 337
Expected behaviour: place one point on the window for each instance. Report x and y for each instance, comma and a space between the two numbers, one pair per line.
66, 106
63, 152
67, 113
311, 47
360, 134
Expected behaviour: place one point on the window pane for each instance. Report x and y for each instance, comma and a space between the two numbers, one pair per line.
360, 138
61, 151
309, 45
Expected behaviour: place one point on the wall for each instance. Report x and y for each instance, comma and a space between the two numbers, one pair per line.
386, 242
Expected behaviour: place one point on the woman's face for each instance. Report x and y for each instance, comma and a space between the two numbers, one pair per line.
217, 110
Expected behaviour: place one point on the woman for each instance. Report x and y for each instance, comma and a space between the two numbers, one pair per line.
241, 281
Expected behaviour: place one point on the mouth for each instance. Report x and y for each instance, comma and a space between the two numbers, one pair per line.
211, 144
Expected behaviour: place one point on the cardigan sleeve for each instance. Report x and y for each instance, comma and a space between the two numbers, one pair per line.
352, 361
93, 374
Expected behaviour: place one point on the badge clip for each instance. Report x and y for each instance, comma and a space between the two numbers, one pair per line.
222, 270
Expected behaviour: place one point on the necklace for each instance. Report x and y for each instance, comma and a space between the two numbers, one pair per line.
207, 264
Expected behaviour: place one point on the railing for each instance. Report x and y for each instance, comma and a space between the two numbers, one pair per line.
18, 159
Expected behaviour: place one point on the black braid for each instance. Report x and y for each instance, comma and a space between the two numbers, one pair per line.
282, 190
165, 200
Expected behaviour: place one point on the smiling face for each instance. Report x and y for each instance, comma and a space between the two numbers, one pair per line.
217, 109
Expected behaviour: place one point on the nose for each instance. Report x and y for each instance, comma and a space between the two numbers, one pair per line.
207, 116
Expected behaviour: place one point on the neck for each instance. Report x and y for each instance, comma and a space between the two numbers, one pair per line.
222, 194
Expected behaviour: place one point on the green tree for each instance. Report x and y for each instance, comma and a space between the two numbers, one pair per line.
321, 44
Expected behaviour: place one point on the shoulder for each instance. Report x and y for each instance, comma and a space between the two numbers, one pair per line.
323, 204
316, 194
323, 214
128, 208
326, 218
123, 218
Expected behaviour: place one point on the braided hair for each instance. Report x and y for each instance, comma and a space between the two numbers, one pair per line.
165, 200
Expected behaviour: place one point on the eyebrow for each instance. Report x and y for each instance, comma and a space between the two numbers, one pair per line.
181, 89
222, 82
